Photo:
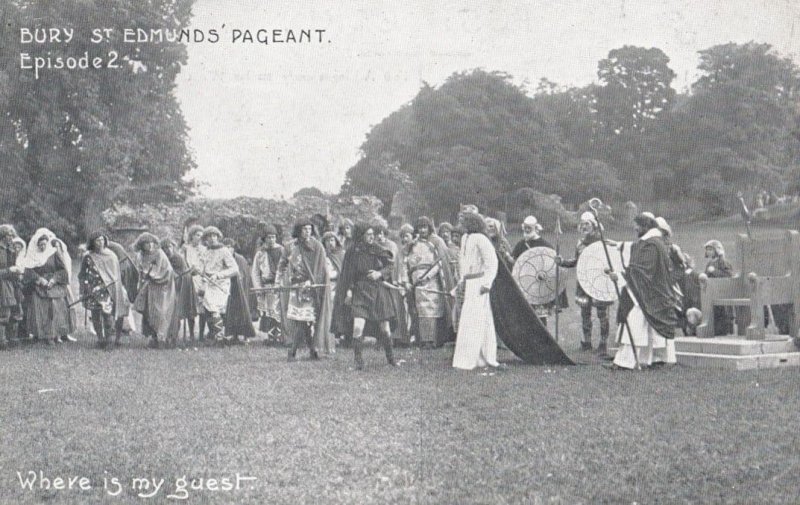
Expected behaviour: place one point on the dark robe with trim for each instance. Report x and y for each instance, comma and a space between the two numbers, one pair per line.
648, 279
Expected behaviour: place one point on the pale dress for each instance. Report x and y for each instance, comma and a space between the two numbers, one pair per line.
476, 343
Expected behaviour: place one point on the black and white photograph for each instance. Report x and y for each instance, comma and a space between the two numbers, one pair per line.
381, 252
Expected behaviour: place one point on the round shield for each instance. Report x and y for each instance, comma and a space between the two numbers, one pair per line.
592, 266
535, 273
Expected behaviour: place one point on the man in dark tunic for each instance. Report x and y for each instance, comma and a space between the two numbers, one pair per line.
366, 270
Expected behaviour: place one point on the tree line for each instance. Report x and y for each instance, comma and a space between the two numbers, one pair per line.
481, 138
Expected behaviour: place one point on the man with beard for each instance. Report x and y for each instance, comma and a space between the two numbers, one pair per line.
430, 276
589, 230
10, 302
264, 274
366, 270
646, 312
531, 237
309, 308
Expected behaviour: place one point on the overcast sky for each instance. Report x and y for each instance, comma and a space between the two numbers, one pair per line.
267, 120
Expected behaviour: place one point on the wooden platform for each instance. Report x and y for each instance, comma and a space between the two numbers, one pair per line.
777, 351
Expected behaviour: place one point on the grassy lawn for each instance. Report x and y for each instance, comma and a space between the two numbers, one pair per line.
318, 432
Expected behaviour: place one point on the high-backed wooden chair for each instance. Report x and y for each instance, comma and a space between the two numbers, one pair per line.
770, 275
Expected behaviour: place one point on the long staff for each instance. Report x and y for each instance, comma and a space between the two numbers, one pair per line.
558, 254
594, 203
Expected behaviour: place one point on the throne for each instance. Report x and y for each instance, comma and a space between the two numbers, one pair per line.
770, 276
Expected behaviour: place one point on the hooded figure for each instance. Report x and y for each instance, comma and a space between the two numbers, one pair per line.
155, 299
48, 314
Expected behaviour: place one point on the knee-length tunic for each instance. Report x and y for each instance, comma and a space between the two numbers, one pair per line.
372, 299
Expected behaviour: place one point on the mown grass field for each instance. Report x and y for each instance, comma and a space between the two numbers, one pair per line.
319, 432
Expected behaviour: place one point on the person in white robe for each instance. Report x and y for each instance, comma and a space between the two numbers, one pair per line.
476, 342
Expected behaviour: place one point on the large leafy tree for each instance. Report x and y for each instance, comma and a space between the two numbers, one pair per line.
736, 131
73, 141
636, 88
473, 139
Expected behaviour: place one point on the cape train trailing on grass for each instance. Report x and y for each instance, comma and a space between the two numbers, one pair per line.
519, 327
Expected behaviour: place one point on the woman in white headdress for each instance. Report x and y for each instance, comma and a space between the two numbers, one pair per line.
48, 271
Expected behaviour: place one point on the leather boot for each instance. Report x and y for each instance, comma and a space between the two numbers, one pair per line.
358, 344
201, 331
11, 333
3, 343
388, 347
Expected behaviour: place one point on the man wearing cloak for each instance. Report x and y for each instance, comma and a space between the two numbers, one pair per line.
309, 308
102, 291
646, 310
238, 322
430, 275
155, 299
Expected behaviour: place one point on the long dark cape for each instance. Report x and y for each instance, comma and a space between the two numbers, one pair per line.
237, 313
518, 326
648, 279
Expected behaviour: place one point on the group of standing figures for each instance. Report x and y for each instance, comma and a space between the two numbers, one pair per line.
328, 287
320, 288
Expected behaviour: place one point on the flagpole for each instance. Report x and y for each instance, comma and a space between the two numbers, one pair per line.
558, 253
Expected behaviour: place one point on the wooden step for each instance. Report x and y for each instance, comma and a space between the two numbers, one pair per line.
739, 362
734, 346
